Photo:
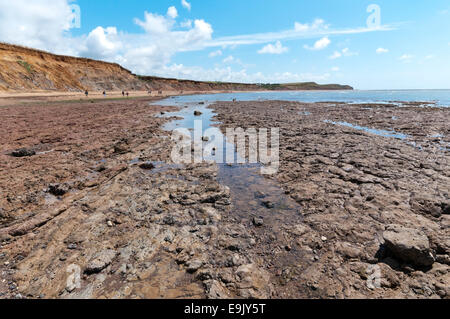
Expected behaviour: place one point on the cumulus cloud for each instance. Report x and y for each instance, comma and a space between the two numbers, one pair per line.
229, 59
172, 12
227, 74
186, 4
186, 24
273, 49
34, 24
319, 45
215, 53
155, 23
344, 52
318, 24
102, 43
382, 50
406, 58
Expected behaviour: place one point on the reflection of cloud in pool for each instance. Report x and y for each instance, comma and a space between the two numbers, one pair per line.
383, 133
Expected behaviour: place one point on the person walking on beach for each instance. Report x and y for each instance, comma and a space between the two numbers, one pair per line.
128, 94
86, 93
123, 93
104, 93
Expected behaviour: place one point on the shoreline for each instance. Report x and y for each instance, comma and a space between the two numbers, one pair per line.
135, 230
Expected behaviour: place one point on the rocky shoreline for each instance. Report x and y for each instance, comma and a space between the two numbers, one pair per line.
88, 193
373, 182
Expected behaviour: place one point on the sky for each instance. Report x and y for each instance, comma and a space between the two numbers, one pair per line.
376, 44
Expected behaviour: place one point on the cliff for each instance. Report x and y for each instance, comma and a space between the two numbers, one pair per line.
26, 69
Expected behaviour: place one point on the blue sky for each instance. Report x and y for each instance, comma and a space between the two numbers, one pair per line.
326, 41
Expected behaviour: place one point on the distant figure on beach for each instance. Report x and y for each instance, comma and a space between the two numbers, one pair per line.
123, 93
104, 93
150, 92
86, 93
128, 94
160, 92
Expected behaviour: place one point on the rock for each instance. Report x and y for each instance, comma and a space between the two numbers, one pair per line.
197, 113
323, 238
443, 259
58, 189
445, 209
205, 274
268, 204
109, 223
147, 166
23, 152
258, 222
72, 246
214, 290
121, 147
254, 283
100, 261
409, 245
427, 206
193, 265
348, 250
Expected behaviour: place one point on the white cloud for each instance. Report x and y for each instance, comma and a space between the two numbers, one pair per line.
215, 53
382, 50
186, 4
335, 69
319, 45
227, 74
273, 49
155, 23
316, 25
300, 31
31, 23
344, 52
34, 24
336, 55
186, 24
102, 43
229, 59
172, 12
406, 58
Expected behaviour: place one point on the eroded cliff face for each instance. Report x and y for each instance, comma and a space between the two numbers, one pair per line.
25, 69
28, 69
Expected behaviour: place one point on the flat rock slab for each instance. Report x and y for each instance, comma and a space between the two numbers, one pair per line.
409, 245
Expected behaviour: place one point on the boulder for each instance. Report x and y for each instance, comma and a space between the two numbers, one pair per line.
409, 245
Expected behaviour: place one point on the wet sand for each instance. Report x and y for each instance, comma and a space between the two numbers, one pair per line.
85, 200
